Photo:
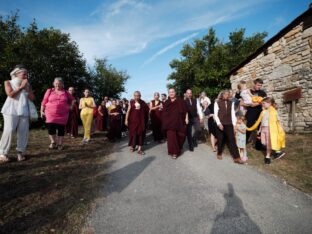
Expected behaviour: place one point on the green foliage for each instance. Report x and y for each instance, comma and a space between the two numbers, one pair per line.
106, 80
48, 53
204, 63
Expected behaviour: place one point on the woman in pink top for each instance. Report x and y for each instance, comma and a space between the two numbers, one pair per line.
55, 108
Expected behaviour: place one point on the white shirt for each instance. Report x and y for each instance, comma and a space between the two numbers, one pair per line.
216, 114
246, 96
199, 109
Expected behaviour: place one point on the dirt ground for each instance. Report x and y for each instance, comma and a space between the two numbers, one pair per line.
53, 191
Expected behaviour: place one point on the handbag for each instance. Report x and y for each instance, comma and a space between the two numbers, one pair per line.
33, 114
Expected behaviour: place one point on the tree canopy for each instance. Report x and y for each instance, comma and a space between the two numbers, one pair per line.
48, 53
204, 63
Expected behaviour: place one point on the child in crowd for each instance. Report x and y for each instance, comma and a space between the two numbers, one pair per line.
272, 133
246, 96
240, 133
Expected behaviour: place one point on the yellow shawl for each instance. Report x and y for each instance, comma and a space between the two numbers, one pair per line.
277, 134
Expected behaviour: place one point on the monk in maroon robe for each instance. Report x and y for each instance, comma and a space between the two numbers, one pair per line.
174, 120
114, 113
100, 118
73, 117
155, 114
136, 119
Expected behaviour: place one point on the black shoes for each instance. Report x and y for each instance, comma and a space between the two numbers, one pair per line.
267, 160
278, 155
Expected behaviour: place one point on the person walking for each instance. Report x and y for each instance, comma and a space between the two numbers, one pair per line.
174, 121
195, 117
16, 114
73, 118
156, 107
226, 120
136, 119
55, 108
87, 106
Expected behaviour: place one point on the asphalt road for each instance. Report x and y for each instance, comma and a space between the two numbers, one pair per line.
195, 194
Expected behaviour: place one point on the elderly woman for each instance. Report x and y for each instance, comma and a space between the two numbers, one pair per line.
224, 114
16, 113
86, 105
203, 98
55, 108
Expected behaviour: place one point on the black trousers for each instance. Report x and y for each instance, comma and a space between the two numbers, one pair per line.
192, 132
227, 136
52, 127
252, 116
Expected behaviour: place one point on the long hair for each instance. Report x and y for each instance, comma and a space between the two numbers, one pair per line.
221, 94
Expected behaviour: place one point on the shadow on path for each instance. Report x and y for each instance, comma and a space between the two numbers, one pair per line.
120, 179
80, 181
234, 218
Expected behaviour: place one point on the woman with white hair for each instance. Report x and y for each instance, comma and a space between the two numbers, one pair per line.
16, 113
203, 98
55, 108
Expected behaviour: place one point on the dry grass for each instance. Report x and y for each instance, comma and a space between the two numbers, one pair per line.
295, 167
53, 191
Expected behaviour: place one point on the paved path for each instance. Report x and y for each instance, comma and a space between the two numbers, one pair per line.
195, 194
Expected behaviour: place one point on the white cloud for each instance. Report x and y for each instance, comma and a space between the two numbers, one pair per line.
127, 27
172, 45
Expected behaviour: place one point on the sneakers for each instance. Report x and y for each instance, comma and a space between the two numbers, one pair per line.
267, 160
278, 155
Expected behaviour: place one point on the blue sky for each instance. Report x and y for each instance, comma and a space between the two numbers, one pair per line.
142, 37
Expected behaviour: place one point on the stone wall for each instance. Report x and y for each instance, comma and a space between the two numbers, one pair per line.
286, 64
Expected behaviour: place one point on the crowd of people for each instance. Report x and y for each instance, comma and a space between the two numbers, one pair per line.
232, 119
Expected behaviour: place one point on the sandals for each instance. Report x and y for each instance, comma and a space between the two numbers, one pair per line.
3, 159
174, 156
52, 146
60, 147
141, 152
20, 157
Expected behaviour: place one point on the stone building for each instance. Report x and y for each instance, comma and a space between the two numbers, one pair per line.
284, 63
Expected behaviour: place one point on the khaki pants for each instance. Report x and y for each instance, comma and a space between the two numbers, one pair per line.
14, 124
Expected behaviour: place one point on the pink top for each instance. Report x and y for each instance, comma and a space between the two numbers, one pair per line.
56, 106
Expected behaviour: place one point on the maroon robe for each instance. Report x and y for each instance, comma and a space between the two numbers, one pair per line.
100, 118
137, 121
173, 123
73, 118
156, 121
114, 131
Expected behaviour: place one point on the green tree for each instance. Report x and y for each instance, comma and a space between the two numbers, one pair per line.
204, 63
106, 80
46, 53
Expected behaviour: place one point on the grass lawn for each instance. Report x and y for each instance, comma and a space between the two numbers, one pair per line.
295, 167
53, 191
